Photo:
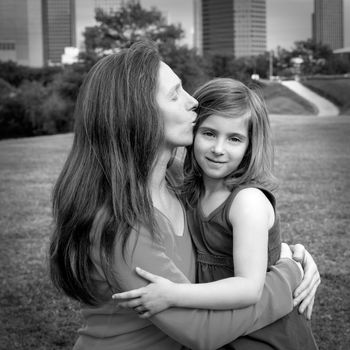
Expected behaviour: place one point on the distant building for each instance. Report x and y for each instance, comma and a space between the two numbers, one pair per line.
328, 23
58, 28
35, 32
70, 56
108, 5
21, 32
230, 27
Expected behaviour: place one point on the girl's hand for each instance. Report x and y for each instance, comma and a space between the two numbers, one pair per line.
306, 291
149, 300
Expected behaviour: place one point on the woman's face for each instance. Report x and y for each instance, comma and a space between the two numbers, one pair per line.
176, 107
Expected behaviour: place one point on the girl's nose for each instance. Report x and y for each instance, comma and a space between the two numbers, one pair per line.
218, 148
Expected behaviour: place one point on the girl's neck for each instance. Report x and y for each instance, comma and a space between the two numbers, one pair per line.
215, 193
213, 186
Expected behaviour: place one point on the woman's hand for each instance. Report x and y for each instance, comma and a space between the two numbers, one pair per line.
306, 291
149, 300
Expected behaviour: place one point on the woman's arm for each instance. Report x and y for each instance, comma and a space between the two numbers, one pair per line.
251, 216
202, 329
306, 291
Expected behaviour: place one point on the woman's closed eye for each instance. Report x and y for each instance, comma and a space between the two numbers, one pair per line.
176, 93
175, 96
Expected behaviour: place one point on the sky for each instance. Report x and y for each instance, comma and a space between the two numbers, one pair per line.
287, 20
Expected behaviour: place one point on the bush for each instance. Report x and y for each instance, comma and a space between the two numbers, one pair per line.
13, 119
15, 74
57, 113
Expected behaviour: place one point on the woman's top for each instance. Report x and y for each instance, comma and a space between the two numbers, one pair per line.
172, 256
213, 239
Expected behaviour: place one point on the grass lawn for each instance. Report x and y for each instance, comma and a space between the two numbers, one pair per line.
336, 90
281, 100
313, 163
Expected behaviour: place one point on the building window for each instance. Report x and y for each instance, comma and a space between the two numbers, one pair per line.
7, 46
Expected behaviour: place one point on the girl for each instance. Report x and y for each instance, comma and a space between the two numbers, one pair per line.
231, 215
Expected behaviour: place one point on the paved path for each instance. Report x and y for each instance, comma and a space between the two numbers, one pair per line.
325, 108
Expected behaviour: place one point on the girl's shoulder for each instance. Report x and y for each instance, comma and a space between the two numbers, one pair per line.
250, 192
250, 200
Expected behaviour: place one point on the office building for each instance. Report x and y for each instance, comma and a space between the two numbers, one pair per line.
108, 5
58, 28
21, 32
230, 27
35, 32
328, 23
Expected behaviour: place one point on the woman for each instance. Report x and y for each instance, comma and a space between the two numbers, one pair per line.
115, 209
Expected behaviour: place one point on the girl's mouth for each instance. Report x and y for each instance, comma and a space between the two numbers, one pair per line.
215, 161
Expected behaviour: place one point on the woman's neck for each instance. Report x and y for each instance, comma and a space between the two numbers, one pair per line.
157, 183
164, 199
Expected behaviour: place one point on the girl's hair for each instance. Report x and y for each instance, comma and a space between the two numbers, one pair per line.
102, 191
231, 98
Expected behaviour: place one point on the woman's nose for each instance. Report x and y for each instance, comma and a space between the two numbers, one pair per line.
192, 102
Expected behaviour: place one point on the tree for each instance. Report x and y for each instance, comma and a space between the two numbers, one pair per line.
338, 64
32, 96
13, 121
190, 67
16, 74
131, 23
240, 68
220, 65
6, 89
315, 56
57, 113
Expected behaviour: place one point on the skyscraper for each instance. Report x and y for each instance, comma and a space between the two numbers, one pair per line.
328, 23
230, 27
35, 32
21, 32
59, 28
108, 5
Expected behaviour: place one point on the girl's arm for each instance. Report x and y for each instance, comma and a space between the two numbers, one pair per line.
195, 328
251, 215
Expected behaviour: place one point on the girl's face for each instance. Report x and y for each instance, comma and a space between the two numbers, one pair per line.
220, 144
176, 107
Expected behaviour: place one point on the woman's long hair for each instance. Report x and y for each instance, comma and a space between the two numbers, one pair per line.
232, 99
102, 191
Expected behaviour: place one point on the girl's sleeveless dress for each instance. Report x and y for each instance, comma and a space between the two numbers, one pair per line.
212, 237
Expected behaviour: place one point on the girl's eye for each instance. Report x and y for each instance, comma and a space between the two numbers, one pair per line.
208, 134
234, 139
